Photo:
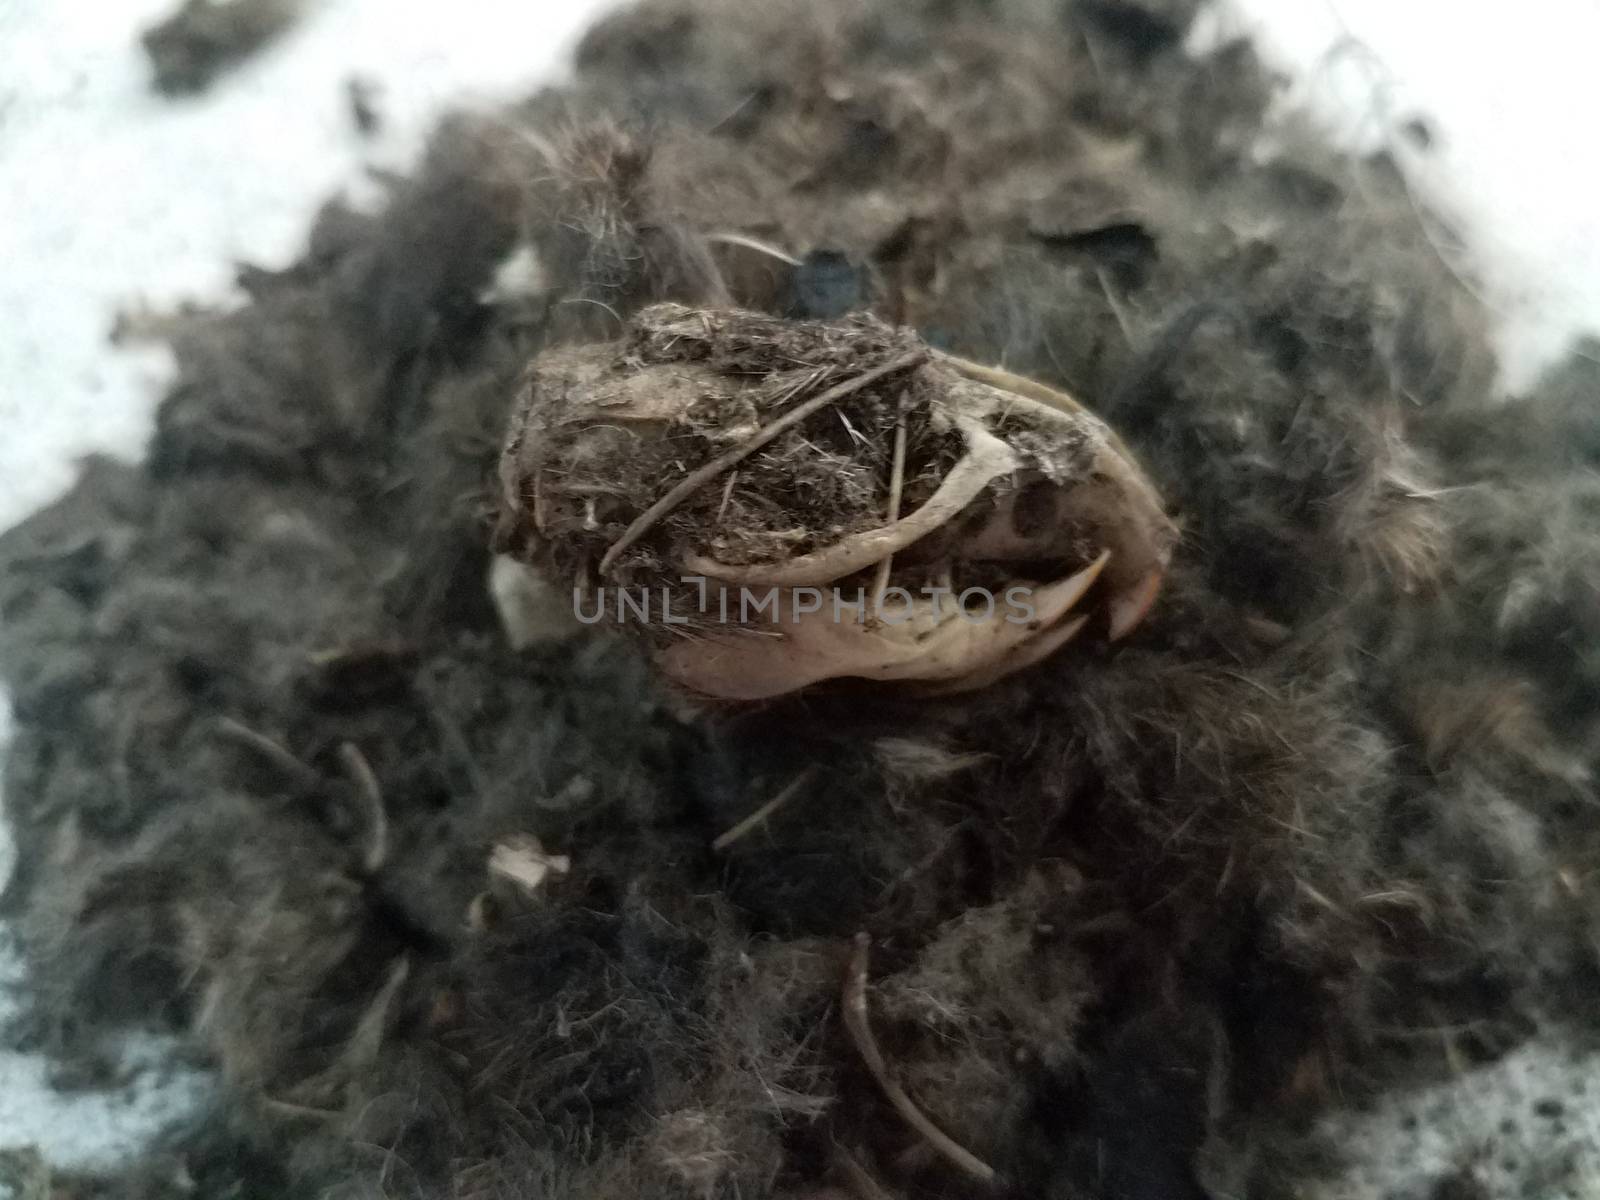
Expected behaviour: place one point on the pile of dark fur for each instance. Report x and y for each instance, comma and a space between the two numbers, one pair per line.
1324, 826
203, 39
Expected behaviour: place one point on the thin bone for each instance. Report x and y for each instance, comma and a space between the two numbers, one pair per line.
1128, 607
746, 665
1021, 385
958, 646
756, 244
897, 478
1020, 657
859, 1026
272, 752
377, 820
1137, 497
787, 793
367, 1037
703, 475
986, 460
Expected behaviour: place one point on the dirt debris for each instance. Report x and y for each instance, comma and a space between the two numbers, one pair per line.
1141, 914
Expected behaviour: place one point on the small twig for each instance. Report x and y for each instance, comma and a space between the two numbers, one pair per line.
897, 479
859, 1027
366, 784
704, 474
790, 790
269, 751
727, 495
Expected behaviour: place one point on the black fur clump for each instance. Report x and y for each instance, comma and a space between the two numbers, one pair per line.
446, 913
203, 39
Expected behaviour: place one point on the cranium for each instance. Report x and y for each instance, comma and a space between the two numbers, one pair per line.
1038, 500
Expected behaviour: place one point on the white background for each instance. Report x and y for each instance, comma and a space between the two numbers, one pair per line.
110, 196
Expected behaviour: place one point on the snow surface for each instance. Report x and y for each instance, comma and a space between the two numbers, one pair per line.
1511, 92
111, 196
1525, 1126
92, 1129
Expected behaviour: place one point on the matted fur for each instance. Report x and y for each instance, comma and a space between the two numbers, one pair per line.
1323, 826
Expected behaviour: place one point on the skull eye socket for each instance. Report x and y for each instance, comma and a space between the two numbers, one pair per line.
1034, 511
